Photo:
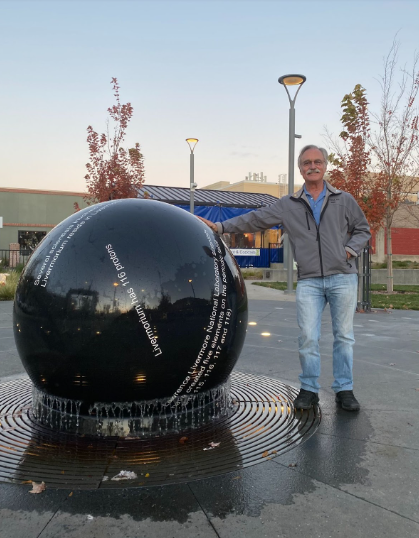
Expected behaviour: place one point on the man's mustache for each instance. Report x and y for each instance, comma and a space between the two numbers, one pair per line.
313, 171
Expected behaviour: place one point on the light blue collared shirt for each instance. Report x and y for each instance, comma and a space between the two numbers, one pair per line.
316, 205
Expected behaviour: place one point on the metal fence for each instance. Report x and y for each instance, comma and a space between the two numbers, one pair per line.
263, 259
364, 279
276, 253
11, 259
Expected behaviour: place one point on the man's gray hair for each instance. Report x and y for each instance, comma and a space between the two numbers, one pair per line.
312, 146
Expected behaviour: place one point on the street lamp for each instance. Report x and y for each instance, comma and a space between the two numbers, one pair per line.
291, 80
193, 291
114, 295
192, 142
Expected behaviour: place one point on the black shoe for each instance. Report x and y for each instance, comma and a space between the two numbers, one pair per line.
347, 400
306, 399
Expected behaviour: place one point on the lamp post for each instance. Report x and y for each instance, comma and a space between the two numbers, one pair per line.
192, 142
193, 291
114, 295
291, 80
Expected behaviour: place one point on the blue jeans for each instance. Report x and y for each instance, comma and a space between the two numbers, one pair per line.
340, 291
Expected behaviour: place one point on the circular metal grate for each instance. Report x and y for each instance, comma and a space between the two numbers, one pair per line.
262, 425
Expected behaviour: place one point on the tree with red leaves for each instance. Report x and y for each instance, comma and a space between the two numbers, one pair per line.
385, 159
352, 172
113, 171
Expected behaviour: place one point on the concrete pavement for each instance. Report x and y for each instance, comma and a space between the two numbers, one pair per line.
356, 477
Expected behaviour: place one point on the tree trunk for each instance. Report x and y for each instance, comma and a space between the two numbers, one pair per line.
389, 261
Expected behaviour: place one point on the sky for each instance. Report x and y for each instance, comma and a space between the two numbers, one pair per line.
200, 68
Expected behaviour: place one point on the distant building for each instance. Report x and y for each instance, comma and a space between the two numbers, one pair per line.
29, 214
404, 235
255, 183
219, 205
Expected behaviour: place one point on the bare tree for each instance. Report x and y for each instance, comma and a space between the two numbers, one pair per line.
394, 140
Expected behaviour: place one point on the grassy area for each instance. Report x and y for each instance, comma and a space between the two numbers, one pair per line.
4, 267
397, 265
8, 288
252, 273
275, 285
397, 287
403, 298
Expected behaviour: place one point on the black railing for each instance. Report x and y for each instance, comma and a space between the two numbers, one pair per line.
364, 280
10, 259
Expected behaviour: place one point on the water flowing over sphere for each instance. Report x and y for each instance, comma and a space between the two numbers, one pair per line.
130, 300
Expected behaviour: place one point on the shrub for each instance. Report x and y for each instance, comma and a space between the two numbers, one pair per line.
19, 267
252, 273
8, 288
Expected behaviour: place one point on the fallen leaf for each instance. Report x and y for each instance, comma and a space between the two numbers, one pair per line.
30, 481
274, 452
212, 445
147, 475
38, 488
265, 454
125, 475
236, 478
183, 440
71, 494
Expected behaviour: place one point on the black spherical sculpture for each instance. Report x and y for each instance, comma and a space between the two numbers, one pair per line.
127, 301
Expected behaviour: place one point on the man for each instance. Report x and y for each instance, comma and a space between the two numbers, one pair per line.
327, 229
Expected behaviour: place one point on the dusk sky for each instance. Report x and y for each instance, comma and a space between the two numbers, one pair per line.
204, 69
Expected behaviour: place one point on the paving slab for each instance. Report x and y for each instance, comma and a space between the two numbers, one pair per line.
273, 500
148, 512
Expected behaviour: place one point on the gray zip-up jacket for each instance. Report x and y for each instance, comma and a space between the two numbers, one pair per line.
319, 250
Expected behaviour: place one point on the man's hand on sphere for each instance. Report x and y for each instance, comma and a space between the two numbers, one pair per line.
209, 223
